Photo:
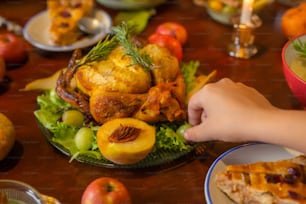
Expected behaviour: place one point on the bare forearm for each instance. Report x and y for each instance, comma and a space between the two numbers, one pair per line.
282, 127
232, 112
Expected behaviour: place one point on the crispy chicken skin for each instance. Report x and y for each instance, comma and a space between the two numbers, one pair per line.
116, 74
163, 103
116, 87
166, 66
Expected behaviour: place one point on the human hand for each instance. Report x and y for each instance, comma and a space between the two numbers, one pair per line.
225, 111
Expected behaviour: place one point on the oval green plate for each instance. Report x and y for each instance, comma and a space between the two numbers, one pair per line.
163, 159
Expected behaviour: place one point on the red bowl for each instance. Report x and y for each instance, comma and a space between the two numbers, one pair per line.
295, 83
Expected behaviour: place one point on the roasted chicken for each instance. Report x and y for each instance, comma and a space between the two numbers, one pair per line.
117, 87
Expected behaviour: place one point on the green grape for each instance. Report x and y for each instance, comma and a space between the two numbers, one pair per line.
73, 118
84, 138
181, 130
229, 10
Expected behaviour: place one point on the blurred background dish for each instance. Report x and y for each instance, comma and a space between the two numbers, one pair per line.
130, 4
17, 192
222, 17
224, 11
36, 32
291, 3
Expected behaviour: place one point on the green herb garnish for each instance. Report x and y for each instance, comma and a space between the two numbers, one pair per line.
121, 36
100, 51
300, 47
125, 40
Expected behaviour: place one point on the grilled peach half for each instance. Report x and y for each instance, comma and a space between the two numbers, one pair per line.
125, 140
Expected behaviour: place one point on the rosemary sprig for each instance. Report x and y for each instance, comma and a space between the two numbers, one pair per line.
100, 51
125, 40
119, 36
300, 47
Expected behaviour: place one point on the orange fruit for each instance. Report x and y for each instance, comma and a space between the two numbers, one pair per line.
293, 21
7, 136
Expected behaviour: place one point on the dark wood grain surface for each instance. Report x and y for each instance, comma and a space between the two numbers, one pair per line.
34, 161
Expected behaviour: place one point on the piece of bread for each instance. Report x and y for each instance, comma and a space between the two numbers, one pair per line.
64, 16
282, 182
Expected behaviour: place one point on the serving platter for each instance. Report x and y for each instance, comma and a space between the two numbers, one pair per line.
248, 153
36, 32
164, 158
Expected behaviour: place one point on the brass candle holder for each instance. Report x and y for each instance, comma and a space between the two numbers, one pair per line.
242, 45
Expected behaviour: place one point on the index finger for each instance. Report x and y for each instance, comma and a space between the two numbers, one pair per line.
195, 109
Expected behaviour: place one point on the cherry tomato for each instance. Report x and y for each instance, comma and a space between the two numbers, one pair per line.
172, 44
11, 48
173, 29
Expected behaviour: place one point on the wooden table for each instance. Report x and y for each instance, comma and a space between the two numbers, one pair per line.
34, 161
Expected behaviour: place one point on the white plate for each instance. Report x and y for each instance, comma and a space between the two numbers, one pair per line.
36, 32
127, 5
248, 153
293, 152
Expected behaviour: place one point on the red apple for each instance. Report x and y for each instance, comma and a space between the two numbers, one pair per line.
173, 29
172, 44
106, 190
12, 48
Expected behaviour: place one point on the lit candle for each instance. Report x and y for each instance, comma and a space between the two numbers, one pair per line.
246, 12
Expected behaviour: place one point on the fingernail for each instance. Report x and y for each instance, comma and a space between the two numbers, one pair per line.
186, 135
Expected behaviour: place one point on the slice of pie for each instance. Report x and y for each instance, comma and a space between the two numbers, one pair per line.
64, 16
279, 182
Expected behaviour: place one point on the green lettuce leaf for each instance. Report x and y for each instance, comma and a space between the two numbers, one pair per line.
189, 71
168, 139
